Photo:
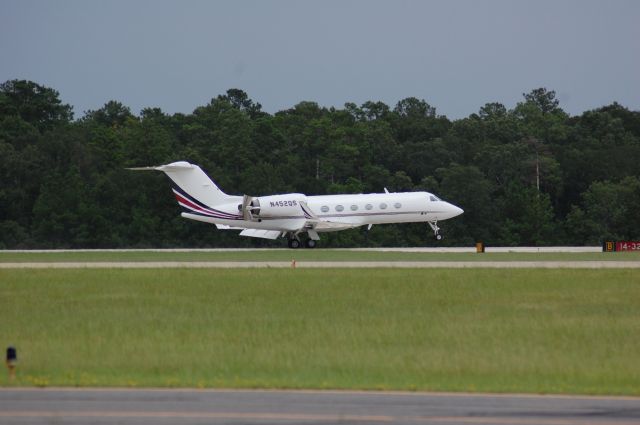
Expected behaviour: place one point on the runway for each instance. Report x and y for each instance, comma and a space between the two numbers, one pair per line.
167, 406
327, 264
489, 249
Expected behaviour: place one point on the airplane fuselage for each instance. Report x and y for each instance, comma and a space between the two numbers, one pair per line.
351, 210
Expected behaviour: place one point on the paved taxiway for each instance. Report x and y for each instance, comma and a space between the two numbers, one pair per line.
149, 406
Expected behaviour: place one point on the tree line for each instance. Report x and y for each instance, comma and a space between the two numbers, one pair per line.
531, 175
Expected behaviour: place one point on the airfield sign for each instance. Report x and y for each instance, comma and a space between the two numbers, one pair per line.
619, 246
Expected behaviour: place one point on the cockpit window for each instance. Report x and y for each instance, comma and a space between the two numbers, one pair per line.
433, 198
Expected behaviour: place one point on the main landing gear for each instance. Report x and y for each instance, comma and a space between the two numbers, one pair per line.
294, 242
436, 229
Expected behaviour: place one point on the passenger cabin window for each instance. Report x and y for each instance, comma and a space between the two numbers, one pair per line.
339, 208
368, 206
324, 209
354, 207
383, 206
397, 205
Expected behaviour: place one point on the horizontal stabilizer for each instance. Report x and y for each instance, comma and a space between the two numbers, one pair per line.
258, 233
174, 166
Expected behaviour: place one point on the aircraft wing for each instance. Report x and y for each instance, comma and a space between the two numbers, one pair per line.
227, 227
252, 233
317, 223
331, 225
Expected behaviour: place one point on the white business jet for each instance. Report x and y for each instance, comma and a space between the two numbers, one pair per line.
293, 214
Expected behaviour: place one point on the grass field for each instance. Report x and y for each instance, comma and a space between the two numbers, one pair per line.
309, 255
542, 331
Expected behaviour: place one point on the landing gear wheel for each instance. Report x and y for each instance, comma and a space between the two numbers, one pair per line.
294, 243
439, 237
311, 243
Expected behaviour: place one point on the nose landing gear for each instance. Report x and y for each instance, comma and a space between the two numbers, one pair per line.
436, 229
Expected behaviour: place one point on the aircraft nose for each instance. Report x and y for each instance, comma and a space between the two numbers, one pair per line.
454, 211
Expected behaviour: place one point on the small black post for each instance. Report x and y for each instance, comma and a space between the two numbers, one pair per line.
12, 361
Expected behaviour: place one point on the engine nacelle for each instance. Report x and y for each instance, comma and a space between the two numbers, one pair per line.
277, 205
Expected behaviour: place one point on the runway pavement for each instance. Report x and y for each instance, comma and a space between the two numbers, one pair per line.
327, 264
527, 249
149, 406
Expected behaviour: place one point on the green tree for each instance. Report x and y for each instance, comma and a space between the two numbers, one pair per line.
112, 114
241, 101
467, 187
527, 217
37, 105
608, 211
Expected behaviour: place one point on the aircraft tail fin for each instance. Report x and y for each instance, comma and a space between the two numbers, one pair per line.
193, 188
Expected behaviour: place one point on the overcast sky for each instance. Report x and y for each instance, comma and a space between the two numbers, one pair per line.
457, 55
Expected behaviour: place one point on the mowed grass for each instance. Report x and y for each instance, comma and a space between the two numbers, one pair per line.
497, 330
308, 255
